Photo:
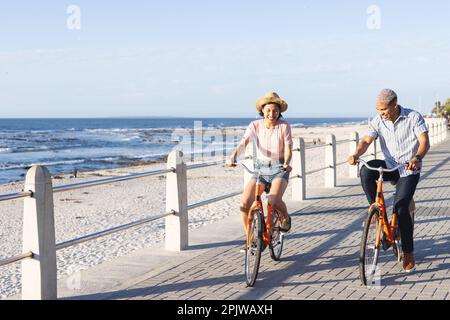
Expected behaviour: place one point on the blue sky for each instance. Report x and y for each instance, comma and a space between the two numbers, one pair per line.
211, 58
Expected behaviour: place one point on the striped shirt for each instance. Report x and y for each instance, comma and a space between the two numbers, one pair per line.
399, 140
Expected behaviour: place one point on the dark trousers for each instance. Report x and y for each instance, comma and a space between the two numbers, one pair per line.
405, 188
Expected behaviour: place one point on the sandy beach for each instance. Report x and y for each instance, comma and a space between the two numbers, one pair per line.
85, 211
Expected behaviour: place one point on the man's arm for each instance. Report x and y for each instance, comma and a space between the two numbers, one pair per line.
363, 145
424, 145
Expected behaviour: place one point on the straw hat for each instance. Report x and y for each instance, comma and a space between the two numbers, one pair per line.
271, 97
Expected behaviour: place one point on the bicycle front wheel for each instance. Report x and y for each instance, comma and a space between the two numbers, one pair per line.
253, 250
369, 253
276, 237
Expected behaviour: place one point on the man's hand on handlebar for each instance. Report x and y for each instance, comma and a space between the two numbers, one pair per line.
414, 164
353, 160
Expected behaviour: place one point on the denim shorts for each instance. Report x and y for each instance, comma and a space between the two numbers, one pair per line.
266, 167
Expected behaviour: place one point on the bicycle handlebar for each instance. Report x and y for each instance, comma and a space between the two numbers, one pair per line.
381, 168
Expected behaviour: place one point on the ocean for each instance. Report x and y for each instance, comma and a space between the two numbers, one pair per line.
103, 143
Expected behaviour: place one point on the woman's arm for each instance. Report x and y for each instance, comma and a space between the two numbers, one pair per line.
288, 143
287, 157
239, 149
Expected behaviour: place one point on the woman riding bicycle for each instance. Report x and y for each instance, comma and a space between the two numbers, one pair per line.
273, 139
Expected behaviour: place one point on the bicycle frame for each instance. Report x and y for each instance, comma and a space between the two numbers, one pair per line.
389, 228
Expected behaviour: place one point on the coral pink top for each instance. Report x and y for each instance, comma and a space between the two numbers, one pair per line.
270, 142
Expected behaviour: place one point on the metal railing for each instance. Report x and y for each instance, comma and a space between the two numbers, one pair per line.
204, 203
100, 182
17, 258
317, 170
107, 232
17, 195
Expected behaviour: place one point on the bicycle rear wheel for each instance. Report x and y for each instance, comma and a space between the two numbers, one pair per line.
253, 250
369, 254
276, 237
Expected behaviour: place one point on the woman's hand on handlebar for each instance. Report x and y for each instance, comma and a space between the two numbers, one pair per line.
287, 168
230, 162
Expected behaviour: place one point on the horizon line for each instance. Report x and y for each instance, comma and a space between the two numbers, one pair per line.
171, 117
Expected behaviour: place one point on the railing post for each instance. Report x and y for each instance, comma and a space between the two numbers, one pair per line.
373, 148
438, 125
330, 161
177, 237
436, 133
39, 273
441, 130
378, 147
354, 170
445, 128
432, 134
298, 170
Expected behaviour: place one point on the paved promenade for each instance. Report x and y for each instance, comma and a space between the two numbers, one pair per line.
320, 257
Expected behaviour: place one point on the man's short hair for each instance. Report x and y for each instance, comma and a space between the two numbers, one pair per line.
386, 96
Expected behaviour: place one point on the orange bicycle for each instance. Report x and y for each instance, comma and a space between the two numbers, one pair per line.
260, 232
378, 231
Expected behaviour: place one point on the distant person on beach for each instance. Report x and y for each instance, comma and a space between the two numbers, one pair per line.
273, 139
404, 138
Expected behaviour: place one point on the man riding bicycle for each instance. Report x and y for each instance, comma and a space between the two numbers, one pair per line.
404, 138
